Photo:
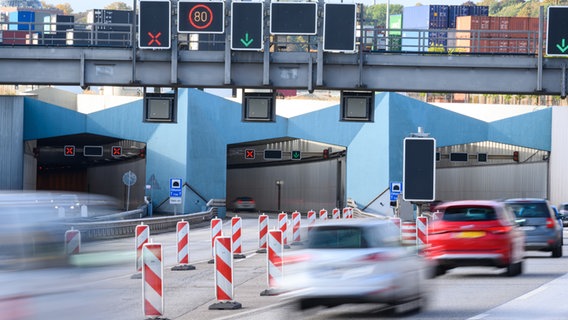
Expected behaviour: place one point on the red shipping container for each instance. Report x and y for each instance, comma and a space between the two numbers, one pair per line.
13, 37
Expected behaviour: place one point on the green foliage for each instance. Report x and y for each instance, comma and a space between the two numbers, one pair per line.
518, 8
376, 14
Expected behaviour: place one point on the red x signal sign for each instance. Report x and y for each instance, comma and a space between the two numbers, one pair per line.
154, 38
116, 151
154, 24
249, 153
69, 151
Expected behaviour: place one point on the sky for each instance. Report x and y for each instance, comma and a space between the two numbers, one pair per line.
83, 5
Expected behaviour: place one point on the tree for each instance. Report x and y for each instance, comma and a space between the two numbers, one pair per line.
118, 6
377, 13
65, 8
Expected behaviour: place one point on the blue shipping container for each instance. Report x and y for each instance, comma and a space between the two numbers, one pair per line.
25, 19
459, 11
425, 17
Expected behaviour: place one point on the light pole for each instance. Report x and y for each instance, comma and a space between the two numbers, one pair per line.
279, 184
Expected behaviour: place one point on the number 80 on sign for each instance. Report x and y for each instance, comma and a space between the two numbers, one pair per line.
201, 17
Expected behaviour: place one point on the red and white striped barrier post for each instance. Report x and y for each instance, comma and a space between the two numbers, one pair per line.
274, 262
283, 226
216, 231
311, 219
323, 214
347, 213
296, 222
236, 237
224, 275
421, 232
262, 233
72, 242
182, 240
153, 284
142, 237
408, 233
335, 214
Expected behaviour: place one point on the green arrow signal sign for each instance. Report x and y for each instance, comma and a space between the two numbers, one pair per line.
247, 41
296, 155
562, 47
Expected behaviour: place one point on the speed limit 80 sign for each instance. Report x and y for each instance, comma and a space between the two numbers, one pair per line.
201, 16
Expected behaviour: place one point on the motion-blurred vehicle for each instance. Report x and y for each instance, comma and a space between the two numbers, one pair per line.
537, 219
563, 210
475, 233
558, 216
244, 204
354, 261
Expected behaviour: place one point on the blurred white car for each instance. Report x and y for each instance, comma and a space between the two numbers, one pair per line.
355, 261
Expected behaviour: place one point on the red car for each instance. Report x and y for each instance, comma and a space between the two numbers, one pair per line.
475, 233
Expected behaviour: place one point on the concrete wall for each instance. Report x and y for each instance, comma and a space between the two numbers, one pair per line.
11, 142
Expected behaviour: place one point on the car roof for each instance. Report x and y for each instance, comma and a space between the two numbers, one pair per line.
485, 203
526, 200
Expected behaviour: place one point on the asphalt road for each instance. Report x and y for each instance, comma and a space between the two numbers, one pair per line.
104, 286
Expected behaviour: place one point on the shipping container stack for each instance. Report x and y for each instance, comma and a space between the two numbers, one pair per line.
497, 34
425, 27
106, 32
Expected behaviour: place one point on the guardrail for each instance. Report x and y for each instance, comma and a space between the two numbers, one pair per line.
104, 230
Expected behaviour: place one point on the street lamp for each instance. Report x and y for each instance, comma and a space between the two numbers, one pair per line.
279, 184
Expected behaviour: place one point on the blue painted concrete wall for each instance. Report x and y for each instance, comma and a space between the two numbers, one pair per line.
195, 147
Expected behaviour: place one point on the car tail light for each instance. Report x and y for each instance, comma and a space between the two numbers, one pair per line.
500, 229
239, 201
377, 256
549, 223
297, 258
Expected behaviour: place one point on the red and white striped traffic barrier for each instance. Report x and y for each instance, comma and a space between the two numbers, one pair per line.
72, 242
396, 221
283, 226
335, 214
142, 237
311, 219
262, 233
296, 223
323, 214
216, 231
408, 233
182, 240
153, 284
274, 262
224, 275
236, 237
347, 213
421, 231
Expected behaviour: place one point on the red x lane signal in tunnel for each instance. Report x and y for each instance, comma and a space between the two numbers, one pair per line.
154, 24
249, 154
69, 151
116, 151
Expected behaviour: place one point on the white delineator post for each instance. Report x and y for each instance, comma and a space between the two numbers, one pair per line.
421, 232
142, 237
296, 223
224, 287
262, 232
274, 263
323, 214
152, 276
335, 214
72, 242
311, 219
283, 226
236, 237
182, 239
216, 231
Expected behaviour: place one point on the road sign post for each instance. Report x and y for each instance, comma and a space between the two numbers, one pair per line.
339, 27
557, 31
154, 24
247, 22
201, 16
419, 169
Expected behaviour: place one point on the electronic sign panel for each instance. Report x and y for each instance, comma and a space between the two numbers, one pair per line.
201, 17
293, 18
154, 24
557, 31
247, 20
339, 27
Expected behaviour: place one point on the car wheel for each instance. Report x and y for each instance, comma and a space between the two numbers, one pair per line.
557, 251
514, 269
439, 271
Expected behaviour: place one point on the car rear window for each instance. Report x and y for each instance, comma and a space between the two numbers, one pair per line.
530, 210
469, 214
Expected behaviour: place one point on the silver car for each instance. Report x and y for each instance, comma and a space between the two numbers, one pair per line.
543, 232
355, 261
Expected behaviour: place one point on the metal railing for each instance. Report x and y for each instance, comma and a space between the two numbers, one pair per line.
370, 39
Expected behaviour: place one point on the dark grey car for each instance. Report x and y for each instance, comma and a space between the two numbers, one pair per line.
543, 232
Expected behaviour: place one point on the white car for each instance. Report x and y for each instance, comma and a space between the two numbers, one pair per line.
354, 261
